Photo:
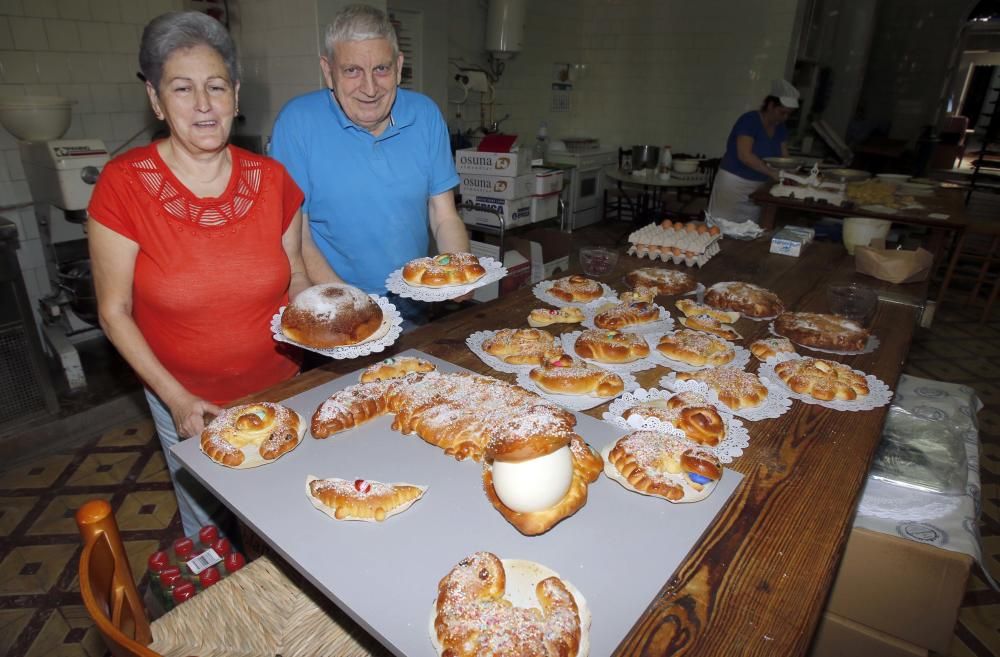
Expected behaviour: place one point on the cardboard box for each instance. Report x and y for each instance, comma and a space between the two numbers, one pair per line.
547, 181
549, 252
516, 260
505, 187
841, 637
493, 164
544, 207
905, 589
786, 242
515, 212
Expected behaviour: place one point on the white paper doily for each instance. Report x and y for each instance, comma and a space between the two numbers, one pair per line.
475, 344
395, 283
871, 345
777, 403
740, 359
737, 437
541, 291
662, 325
646, 363
574, 402
879, 393
386, 334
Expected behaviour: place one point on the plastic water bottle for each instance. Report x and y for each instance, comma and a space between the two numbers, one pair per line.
541, 145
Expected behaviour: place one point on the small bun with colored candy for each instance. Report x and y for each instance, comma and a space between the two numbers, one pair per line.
545, 317
661, 465
443, 270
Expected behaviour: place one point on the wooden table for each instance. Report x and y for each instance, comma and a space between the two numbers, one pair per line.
948, 202
757, 582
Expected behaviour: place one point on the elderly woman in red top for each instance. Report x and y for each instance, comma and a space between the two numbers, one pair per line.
195, 246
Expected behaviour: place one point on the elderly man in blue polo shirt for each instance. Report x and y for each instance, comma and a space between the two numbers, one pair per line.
373, 160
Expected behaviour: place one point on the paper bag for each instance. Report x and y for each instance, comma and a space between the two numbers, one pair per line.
895, 266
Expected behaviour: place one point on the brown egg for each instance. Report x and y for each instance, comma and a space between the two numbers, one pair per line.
666, 223
702, 229
714, 230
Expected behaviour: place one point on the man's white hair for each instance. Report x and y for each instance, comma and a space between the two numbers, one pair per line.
360, 23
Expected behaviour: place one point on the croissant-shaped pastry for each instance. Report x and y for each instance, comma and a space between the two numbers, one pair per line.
362, 499
626, 314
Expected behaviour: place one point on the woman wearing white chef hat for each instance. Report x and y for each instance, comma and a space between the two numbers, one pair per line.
757, 134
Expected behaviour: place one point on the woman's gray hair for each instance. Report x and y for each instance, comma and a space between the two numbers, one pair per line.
180, 30
360, 23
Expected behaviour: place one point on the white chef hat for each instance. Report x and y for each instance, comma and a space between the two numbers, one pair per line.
786, 93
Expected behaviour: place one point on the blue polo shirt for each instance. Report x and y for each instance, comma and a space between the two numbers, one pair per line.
751, 125
366, 196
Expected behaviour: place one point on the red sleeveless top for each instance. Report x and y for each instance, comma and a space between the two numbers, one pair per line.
210, 272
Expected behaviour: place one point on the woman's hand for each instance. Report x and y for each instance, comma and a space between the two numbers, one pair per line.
189, 412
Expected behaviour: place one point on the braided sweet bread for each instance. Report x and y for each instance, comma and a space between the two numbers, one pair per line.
252, 434
477, 417
611, 346
822, 379
576, 289
770, 347
664, 281
736, 389
443, 270
361, 499
566, 375
394, 368
624, 315
529, 346
822, 331
746, 298
658, 464
471, 617
688, 411
695, 348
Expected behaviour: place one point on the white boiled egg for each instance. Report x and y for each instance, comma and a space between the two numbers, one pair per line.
535, 484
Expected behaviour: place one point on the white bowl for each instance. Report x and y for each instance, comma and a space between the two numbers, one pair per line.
36, 118
684, 166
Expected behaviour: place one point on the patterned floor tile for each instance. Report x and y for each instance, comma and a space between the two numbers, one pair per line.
137, 551
950, 349
138, 433
982, 622
13, 510
944, 370
152, 509
34, 569
978, 368
69, 632
58, 516
12, 623
155, 470
41, 473
103, 469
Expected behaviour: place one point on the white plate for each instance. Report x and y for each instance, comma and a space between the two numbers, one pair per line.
395, 283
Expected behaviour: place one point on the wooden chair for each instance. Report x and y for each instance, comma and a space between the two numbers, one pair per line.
621, 200
257, 610
976, 258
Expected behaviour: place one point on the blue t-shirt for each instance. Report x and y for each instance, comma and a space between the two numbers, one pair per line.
751, 125
366, 196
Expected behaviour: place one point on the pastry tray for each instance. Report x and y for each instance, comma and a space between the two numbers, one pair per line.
385, 575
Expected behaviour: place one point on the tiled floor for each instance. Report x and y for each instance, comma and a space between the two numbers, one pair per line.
40, 609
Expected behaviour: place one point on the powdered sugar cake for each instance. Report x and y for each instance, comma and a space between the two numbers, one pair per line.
332, 315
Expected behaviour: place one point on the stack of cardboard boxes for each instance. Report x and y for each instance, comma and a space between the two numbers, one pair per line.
505, 184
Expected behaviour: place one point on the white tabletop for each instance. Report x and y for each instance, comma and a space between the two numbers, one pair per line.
618, 550
652, 179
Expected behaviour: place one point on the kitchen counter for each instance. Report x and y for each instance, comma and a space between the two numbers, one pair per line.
757, 581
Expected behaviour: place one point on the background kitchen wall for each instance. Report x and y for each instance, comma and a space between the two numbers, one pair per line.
647, 71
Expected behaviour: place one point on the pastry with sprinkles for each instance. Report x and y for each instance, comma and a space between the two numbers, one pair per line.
736, 389
472, 616
361, 499
659, 464
443, 270
394, 368
249, 435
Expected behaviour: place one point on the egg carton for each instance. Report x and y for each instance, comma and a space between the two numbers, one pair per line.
669, 254
693, 237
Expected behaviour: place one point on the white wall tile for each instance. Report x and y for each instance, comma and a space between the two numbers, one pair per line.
41, 90
42, 283
97, 124
105, 97
27, 222
84, 67
18, 67
133, 96
28, 33
105, 10
11, 8
118, 68
157, 7
6, 38
133, 11
14, 192
4, 170
53, 67
78, 10
62, 34
94, 36
122, 38
80, 93
41, 8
